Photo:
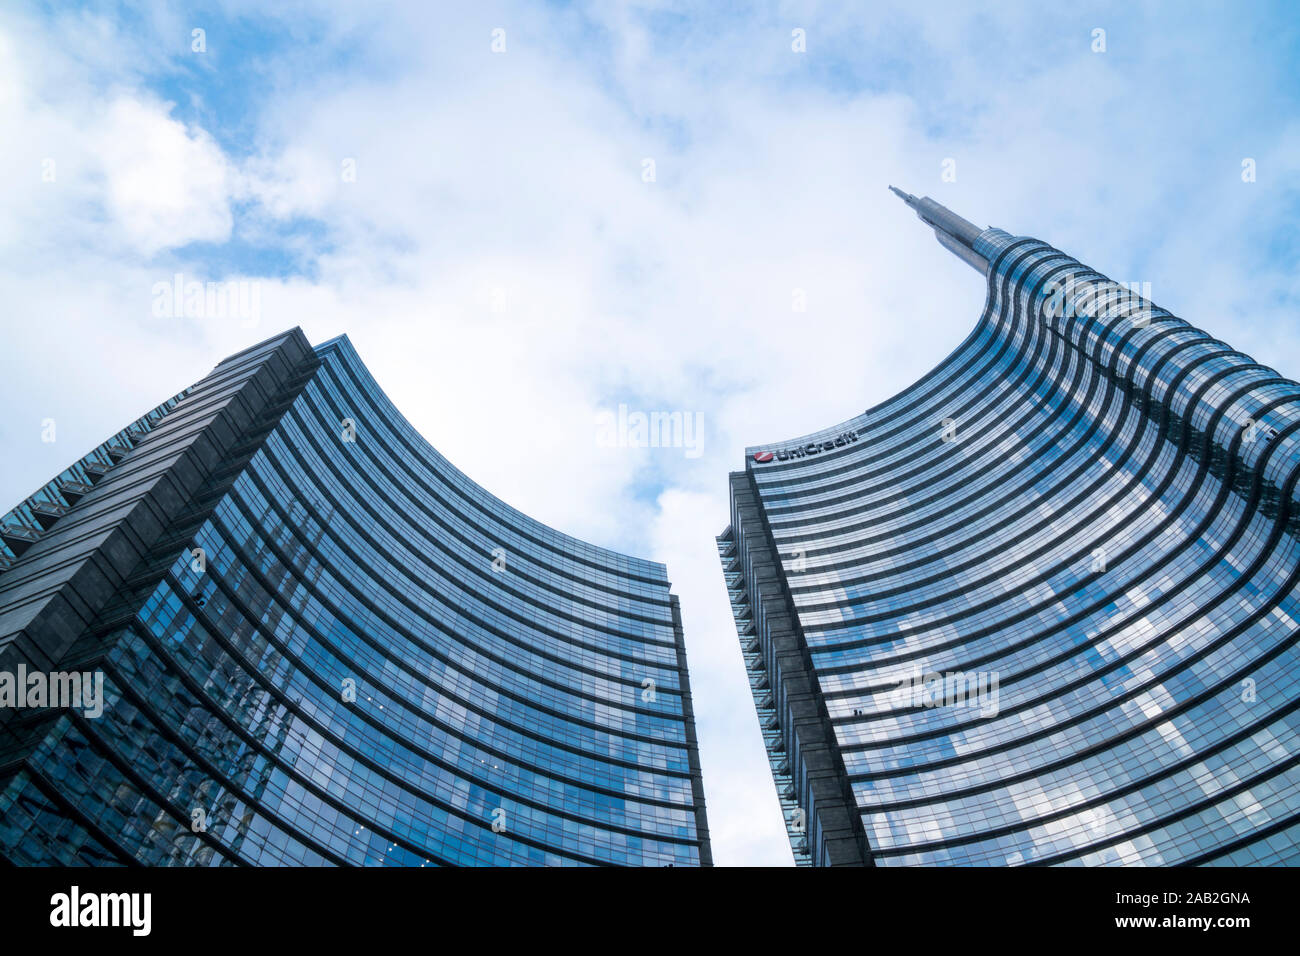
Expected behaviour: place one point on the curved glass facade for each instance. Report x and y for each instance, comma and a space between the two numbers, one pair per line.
370, 660
1041, 607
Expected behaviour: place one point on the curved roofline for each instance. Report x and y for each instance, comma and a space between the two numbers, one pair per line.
859, 420
343, 346
968, 242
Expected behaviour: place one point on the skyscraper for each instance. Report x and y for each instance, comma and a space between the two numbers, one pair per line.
1040, 607
321, 643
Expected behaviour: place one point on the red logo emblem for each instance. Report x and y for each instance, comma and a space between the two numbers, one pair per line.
763, 456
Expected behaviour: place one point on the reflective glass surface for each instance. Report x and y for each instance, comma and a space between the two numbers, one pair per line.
380, 664
1093, 503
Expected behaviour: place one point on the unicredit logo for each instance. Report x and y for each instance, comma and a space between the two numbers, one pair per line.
803, 451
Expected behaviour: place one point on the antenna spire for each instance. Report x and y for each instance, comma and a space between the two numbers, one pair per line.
954, 233
906, 197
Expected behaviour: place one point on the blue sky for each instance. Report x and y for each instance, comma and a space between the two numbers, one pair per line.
500, 256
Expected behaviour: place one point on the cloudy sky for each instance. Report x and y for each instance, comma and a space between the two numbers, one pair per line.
619, 204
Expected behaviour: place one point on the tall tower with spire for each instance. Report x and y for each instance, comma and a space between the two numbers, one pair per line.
1042, 606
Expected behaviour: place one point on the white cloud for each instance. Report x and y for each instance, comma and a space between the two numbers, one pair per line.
165, 185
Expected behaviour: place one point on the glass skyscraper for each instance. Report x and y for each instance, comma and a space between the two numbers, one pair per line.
322, 644
1040, 607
